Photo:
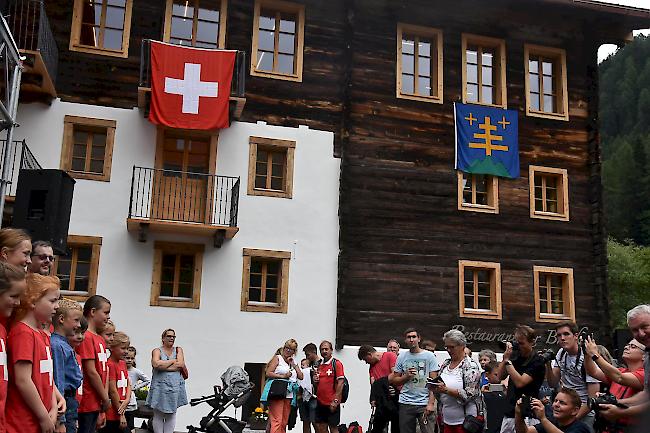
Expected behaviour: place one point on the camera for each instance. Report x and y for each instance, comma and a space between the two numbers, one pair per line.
526, 407
515, 348
594, 403
547, 355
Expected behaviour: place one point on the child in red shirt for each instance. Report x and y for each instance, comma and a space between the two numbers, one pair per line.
119, 388
94, 363
12, 286
31, 403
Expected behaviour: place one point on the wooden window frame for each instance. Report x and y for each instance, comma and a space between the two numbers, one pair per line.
283, 295
289, 147
96, 243
426, 32
495, 290
563, 195
221, 39
500, 46
69, 122
493, 196
75, 33
567, 291
176, 248
558, 54
280, 6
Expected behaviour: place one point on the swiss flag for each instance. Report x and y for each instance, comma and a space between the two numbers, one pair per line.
190, 87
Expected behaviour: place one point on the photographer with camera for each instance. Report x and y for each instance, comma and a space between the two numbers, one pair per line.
623, 382
568, 369
525, 369
566, 406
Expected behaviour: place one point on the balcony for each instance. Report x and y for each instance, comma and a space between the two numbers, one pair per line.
237, 89
182, 202
31, 30
20, 157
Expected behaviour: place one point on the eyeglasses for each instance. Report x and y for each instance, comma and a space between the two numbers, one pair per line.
288, 349
45, 257
170, 336
450, 347
632, 346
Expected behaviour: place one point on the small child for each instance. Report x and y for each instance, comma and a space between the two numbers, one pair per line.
67, 376
31, 403
138, 380
119, 386
72, 405
12, 286
94, 400
107, 331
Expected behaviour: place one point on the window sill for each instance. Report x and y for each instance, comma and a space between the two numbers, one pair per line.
264, 307
480, 314
549, 216
76, 296
553, 318
545, 115
270, 193
277, 75
166, 301
100, 51
482, 104
421, 98
478, 208
101, 177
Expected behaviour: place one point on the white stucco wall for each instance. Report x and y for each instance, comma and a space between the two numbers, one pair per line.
218, 334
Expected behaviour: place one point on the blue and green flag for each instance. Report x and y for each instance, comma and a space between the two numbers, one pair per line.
487, 140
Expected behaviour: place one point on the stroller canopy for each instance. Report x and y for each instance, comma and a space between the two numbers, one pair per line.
235, 380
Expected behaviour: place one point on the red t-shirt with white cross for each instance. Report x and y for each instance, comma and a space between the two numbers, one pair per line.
93, 347
326, 390
118, 373
4, 376
27, 344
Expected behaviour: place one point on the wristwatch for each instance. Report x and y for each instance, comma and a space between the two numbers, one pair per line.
508, 362
336, 400
594, 357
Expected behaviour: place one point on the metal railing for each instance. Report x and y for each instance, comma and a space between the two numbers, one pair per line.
237, 88
181, 196
19, 157
31, 29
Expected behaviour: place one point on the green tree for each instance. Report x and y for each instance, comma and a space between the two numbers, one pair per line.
628, 279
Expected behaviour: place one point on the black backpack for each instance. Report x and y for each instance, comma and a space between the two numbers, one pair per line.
346, 384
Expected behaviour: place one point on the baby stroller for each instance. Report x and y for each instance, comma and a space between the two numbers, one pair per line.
235, 391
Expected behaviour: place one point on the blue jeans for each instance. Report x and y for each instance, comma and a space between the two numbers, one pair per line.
71, 405
88, 422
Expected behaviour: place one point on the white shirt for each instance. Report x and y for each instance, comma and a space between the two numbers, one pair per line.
453, 411
283, 368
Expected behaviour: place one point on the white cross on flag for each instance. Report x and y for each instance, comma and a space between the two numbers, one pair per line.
190, 87
3, 360
47, 366
122, 384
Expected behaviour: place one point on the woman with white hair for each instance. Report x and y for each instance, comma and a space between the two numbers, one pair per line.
459, 393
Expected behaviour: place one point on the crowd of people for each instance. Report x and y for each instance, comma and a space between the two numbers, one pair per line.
577, 389
64, 367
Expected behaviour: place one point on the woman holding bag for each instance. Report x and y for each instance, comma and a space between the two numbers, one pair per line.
459, 388
167, 389
285, 373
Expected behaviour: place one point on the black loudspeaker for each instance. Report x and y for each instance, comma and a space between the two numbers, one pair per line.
43, 205
621, 338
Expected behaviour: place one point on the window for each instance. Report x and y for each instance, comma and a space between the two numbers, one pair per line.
101, 27
479, 292
78, 267
176, 275
549, 193
484, 70
554, 297
546, 83
278, 29
196, 23
419, 63
265, 281
478, 192
87, 150
270, 167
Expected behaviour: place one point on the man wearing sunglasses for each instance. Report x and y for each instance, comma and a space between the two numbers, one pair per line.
42, 258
